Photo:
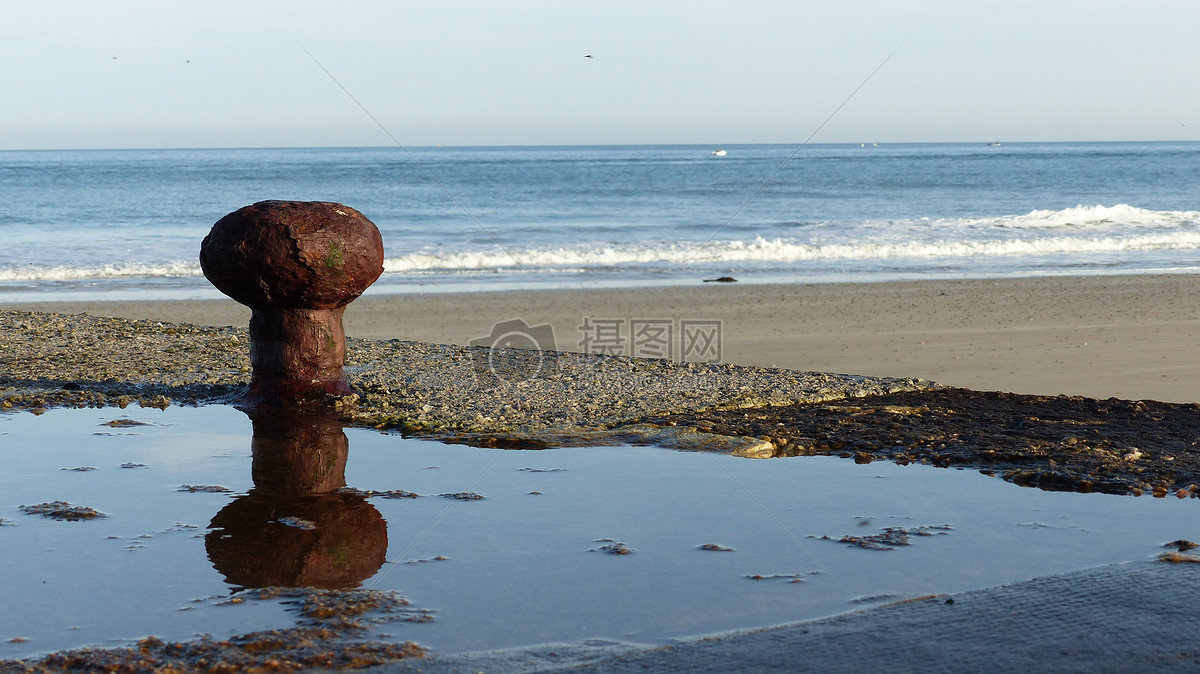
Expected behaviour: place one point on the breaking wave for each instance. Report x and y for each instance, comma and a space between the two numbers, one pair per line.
1069, 234
33, 272
779, 251
1074, 231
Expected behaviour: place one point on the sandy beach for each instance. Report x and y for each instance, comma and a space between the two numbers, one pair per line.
1131, 337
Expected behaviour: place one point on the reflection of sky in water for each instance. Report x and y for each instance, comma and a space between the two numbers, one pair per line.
519, 567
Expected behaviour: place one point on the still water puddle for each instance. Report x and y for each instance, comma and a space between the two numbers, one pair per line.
504, 548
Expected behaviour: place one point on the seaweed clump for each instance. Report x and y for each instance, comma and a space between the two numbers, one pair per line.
63, 511
892, 537
286, 650
328, 636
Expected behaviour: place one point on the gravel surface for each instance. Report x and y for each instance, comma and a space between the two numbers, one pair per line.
515, 398
466, 394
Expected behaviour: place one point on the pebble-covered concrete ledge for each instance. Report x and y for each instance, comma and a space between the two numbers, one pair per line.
437, 391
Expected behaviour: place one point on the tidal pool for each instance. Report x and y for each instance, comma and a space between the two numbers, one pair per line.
504, 548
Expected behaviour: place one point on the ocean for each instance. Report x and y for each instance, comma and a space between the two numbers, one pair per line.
127, 224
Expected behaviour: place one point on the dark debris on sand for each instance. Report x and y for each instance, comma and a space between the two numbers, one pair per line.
1061, 443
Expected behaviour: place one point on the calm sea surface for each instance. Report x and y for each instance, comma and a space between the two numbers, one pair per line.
128, 224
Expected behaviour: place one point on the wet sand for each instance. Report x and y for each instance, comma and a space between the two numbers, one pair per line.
1131, 337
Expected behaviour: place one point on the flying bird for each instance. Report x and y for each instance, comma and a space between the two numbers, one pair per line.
588, 56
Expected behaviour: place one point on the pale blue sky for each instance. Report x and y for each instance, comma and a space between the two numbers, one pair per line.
230, 74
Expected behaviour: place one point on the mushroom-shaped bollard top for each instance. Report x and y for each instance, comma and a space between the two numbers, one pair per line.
297, 264
293, 254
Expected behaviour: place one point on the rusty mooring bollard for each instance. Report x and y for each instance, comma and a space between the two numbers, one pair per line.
296, 264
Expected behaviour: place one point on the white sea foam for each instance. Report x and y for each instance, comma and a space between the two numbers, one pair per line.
1079, 230
780, 250
1067, 234
1085, 217
33, 272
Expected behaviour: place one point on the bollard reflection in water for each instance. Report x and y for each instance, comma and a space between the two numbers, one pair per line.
294, 529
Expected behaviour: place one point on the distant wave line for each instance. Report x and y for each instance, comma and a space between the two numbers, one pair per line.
34, 272
1082, 217
759, 250
778, 250
1078, 230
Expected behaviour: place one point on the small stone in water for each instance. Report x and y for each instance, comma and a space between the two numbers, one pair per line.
1182, 545
789, 577
206, 488
464, 496
613, 547
124, 423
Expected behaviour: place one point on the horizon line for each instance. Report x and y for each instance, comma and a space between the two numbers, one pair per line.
586, 145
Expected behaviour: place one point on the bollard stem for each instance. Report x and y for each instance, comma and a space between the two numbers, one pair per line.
297, 355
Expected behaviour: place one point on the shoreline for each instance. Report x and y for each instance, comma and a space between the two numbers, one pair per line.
1131, 337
